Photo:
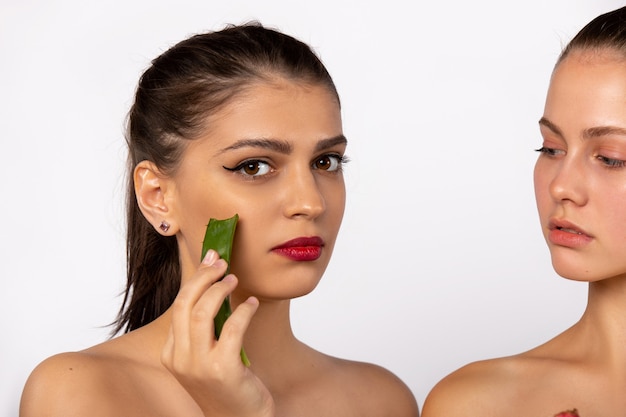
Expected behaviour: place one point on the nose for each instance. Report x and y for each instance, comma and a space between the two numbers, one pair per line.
568, 182
302, 195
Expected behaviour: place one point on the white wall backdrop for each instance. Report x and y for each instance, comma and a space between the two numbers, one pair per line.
440, 260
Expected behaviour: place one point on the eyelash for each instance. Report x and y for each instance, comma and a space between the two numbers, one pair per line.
340, 160
610, 163
547, 151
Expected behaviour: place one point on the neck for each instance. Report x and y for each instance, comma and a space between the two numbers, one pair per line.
269, 338
276, 356
604, 320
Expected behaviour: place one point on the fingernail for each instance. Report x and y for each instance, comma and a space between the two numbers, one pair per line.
253, 300
220, 263
210, 257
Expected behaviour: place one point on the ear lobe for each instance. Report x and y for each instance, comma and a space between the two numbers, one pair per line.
150, 189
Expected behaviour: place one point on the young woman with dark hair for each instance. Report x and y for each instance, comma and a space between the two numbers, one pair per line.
243, 121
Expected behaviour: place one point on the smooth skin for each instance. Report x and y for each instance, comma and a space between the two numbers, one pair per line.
273, 156
580, 188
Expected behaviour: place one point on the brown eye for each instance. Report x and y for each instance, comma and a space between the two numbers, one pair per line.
328, 163
251, 168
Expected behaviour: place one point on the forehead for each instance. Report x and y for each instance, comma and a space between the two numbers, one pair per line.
590, 84
589, 65
277, 106
278, 110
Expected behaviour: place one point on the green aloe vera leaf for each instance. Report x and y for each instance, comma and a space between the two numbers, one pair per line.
219, 236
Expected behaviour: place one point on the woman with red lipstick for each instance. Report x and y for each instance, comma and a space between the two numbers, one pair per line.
580, 187
243, 121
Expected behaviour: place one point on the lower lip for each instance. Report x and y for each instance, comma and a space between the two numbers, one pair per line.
568, 239
300, 253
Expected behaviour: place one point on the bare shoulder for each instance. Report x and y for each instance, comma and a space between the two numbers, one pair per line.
460, 391
381, 392
482, 388
90, 382
65, 384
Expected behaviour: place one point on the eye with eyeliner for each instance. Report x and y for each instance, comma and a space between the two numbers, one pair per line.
255, 168
251, 168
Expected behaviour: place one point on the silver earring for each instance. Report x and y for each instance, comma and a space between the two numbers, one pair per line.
164, 226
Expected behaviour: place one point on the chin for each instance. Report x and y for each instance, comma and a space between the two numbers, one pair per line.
289, 292
579, 273
282, 282
283, 290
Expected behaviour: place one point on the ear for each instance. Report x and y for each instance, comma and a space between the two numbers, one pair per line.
151, 189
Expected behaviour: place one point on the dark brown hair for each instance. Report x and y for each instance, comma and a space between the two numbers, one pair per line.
607, 31
173, 102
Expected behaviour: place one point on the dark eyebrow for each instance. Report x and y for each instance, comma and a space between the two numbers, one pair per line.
592, 132
283, 146
330, 142
272, 144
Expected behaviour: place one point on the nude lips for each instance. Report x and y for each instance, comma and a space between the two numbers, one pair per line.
565, 234
301, 249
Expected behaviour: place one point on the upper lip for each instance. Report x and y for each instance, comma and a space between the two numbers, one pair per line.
301, 242
561, 224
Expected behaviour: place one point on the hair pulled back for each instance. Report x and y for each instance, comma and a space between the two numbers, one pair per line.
173, 103
607, 31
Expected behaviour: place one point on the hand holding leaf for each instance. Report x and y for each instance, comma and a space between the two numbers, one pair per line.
219, 236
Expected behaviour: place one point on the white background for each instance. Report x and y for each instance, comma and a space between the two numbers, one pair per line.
440, 260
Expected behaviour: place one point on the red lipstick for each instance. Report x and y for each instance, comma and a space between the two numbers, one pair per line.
564, 233
301, 248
